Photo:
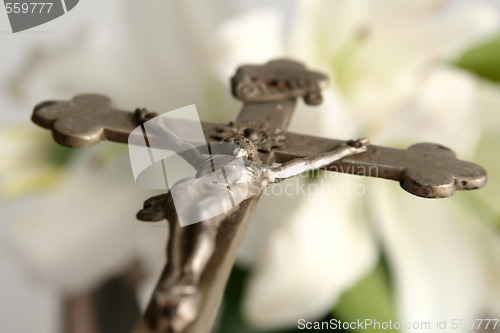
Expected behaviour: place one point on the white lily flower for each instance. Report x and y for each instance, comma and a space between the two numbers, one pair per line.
388, 82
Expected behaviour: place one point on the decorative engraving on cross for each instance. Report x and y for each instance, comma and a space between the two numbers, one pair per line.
278, 80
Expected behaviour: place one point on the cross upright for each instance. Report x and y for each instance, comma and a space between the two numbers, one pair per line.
269, 93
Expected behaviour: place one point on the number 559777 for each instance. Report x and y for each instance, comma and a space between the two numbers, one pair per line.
25, 8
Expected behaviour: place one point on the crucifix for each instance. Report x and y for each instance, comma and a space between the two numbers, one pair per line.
200, 256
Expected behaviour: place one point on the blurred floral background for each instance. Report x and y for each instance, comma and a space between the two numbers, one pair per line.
401, 72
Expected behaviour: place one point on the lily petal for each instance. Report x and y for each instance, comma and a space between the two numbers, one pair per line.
252, 37
443, 259
73, 238
443, 109
317, 252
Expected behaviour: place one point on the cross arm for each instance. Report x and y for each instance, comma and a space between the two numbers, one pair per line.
427, 170
88, 119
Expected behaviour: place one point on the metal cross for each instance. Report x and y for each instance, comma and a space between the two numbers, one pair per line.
269, 93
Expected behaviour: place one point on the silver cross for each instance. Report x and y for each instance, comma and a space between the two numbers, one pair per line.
269, 93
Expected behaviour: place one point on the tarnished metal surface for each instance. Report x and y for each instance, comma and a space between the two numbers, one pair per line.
84, 121
425, 169
276, 81
216, 273
89, 119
